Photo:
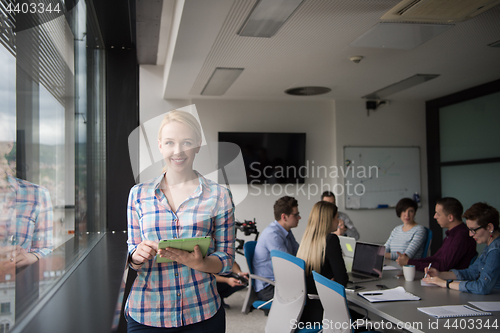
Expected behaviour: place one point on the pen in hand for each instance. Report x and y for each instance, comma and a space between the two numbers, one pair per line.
428, 270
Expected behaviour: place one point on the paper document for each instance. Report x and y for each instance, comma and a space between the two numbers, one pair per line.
487, 306
390, 268
425, 284
451, 311
353, 202
388, 295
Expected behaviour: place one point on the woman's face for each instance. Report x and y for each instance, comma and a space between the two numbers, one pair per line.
178, 145
408, 215
480, 235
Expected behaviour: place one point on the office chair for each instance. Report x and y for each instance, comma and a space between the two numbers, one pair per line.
336, 314
427, 242
251, 296
290, 294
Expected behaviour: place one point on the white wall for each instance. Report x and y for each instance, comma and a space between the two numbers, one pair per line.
313, 118
329, 126
397, 124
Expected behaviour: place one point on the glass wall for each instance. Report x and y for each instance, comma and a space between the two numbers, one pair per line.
470, 130
52, 148
469, 133
469, 136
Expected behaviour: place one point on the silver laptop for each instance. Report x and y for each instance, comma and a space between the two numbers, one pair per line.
348, 245
368, 263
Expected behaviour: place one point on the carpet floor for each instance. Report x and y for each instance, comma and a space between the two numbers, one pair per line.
237, 322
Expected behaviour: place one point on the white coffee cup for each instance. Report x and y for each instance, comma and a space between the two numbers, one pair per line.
409, 272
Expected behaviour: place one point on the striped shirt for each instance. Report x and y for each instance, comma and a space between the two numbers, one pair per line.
30, 206
172, 294
411, 242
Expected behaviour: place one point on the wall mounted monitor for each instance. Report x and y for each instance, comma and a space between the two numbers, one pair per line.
269, 158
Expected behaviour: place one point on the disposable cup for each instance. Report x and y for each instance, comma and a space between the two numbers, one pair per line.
409, 272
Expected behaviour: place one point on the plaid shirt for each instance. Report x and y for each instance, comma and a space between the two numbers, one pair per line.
32, 208
172, 294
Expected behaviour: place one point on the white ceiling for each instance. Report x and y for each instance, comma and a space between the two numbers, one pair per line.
312, 49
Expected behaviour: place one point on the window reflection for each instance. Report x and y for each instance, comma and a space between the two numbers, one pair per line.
7, 173
52, 168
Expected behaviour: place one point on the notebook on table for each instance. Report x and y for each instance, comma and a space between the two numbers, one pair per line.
389, 295
368, 263
348, 245
452, 311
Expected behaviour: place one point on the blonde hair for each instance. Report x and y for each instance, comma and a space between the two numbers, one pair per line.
319, 226
182, 117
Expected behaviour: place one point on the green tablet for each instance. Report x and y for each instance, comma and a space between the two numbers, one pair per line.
186, 244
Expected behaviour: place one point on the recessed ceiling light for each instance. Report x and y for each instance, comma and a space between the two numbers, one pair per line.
404, 36
221, 80
267, 17
307, 91
400, 86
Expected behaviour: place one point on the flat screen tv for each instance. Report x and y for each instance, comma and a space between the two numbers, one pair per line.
269, 158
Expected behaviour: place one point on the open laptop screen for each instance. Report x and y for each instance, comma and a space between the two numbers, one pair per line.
368, 259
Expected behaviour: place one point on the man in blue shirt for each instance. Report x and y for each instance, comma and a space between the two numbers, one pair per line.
277, 236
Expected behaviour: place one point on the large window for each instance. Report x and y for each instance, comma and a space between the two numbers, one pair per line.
463, 132
470, 150
52, 148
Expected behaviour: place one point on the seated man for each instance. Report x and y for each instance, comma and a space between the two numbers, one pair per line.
227, 285
346, 227
458, 248
277, 236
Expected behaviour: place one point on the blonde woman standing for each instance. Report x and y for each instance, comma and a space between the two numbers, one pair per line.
321, 251
178, 296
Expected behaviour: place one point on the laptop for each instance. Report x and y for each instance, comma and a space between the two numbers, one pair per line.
368, 263
348, 244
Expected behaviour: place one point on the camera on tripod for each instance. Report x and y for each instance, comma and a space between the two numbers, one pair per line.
248, 228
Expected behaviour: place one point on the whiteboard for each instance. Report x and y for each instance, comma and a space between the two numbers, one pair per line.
378, 177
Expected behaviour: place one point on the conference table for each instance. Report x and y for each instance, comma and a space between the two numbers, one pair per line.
404, 314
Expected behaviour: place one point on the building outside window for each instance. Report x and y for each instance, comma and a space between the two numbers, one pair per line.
52, 148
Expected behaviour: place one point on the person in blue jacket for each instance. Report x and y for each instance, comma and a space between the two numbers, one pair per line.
484, 274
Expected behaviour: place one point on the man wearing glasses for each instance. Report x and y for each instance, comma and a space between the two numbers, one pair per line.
277, 236
458, 248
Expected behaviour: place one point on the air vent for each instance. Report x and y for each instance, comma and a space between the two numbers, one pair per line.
407, 7
308, 91
442, 11
495, 44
